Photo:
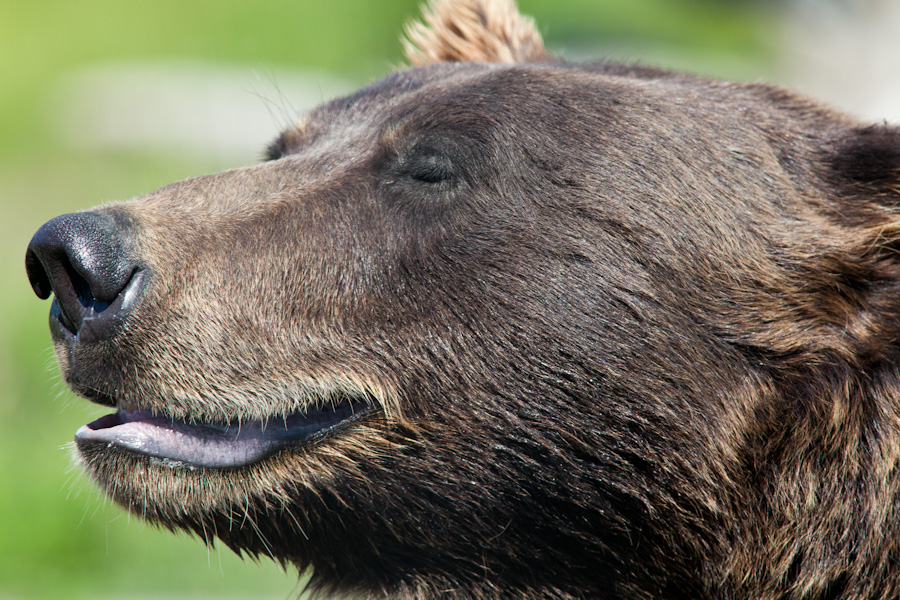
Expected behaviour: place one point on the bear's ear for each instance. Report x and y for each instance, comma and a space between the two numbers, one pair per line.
865, 163
473, 30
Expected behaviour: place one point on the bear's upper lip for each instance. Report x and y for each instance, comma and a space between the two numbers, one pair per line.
180, 443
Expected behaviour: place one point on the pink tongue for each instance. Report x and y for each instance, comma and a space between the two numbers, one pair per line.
180, 442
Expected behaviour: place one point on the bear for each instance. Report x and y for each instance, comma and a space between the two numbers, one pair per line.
502, 326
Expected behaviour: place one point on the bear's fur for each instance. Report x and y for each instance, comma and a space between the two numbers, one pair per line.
622, 333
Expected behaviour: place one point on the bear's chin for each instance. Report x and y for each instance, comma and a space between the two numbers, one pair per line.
180, 494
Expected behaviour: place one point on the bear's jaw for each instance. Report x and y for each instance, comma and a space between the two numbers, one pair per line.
177, 443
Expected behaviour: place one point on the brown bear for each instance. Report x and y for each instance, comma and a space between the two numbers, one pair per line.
500, 326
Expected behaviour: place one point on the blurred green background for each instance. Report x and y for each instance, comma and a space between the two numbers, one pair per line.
103, 100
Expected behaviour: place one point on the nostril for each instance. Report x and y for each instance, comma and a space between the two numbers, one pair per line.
37, 276
75, 298
80, 285
84, 259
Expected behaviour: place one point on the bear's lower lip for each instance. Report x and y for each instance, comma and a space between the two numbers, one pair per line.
179, 443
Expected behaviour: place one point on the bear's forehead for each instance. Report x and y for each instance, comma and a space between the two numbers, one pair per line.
453, 93
379, 108
498, 105
492, 89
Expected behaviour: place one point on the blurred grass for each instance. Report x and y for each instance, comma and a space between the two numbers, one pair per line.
58, 537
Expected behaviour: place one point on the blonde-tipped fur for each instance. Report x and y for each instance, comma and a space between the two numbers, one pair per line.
473, 30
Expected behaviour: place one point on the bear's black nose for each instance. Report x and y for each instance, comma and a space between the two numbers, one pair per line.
84, 259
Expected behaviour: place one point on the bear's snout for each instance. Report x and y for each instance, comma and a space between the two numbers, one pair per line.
85, 260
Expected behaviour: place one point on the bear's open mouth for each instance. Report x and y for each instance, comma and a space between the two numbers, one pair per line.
180, 443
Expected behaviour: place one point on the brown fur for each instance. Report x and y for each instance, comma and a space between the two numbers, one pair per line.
630, 333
